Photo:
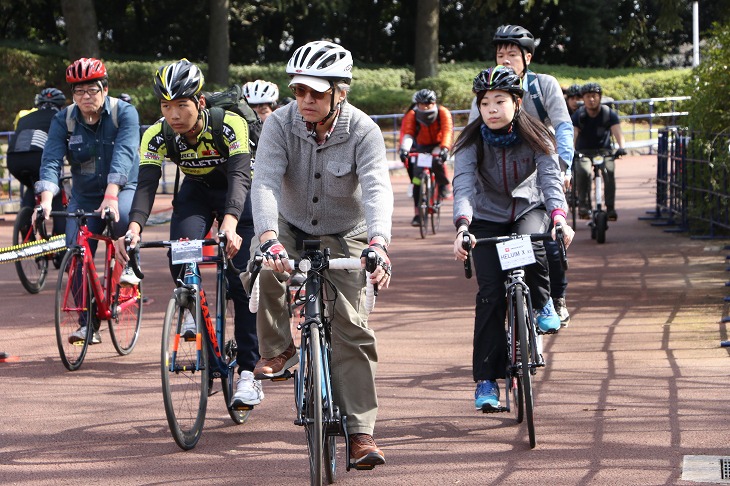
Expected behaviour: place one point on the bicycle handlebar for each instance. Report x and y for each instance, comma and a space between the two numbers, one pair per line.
466, 244
134, 252
106, 215
332, 264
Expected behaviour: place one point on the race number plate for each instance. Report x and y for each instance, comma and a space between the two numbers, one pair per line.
515, 253
187, 251
424, 160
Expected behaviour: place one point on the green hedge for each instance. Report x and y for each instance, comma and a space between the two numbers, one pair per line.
376, 89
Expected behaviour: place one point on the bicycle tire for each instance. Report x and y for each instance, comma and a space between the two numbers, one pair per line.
230, 350
514, 383
184, 390
31, 272
332, 418
573, 202
435, 209
601, 226
125, 325
72, 308
525, 375
313, 406
423, 207
330, 458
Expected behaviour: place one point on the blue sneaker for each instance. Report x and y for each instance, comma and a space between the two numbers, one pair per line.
548, 320
486, 395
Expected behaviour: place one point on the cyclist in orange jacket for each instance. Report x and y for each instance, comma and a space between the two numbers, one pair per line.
427, 127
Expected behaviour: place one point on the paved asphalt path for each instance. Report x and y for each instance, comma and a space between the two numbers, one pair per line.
635, 383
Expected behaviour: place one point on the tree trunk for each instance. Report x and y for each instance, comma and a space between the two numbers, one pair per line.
81, 28
219, 43
427, 39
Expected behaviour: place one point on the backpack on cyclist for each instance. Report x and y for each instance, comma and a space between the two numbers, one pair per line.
71, 121
218, 103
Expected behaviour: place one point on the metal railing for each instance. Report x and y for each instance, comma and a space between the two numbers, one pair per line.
642, 115
693, 182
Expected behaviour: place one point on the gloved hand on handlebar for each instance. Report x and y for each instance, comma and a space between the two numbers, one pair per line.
275, 255
444, 154
619, 153
380, 275
403, 155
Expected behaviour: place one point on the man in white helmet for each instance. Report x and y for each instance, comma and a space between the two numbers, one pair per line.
325, 178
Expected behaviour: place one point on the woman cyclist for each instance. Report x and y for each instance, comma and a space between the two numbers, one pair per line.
102, 150
214, 188
506, 180
262, 97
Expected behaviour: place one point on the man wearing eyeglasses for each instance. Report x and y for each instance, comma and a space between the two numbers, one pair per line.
99, 135
324, 177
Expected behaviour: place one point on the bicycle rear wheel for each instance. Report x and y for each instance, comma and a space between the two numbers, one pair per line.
72, 310
423, 208
525, 376
313, 425
127, 311
231, 349
184, 378
31, 272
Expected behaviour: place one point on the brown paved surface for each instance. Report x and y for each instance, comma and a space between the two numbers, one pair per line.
636, 382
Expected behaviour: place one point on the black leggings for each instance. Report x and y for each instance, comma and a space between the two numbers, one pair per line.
194, 210
489, 360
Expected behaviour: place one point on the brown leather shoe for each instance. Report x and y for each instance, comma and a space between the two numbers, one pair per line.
268, 368
364, 452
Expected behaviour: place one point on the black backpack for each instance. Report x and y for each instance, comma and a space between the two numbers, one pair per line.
218, 103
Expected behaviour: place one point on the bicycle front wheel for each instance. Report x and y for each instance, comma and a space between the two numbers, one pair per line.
601, 226
31, 272
525, 376
184, 377
435, 209
313, 408
73, 310
124, 326
423, 208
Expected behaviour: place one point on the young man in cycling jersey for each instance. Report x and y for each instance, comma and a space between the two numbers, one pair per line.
427, 128
262, 97
514, 47
594, 125
325, 177
99, 136
214, 188
25, 148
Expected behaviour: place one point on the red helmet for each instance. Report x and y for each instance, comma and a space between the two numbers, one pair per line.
84, 70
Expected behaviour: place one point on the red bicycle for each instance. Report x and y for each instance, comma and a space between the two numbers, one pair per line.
429, 201
84, 298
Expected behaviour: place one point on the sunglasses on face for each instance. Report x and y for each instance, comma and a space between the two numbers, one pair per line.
88, 91
302, 91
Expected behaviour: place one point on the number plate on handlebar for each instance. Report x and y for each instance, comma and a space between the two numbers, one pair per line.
515, 253
597, 160
424, 160
186, 251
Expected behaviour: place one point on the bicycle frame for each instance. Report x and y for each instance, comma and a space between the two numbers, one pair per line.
101, 291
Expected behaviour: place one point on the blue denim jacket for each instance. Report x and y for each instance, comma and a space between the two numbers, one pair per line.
109, 155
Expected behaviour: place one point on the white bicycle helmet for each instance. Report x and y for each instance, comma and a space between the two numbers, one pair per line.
260, 92
321, 59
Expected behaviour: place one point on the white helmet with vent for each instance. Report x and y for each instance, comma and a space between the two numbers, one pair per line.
260, 92
321, 59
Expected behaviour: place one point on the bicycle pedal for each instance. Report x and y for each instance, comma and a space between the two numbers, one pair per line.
486, 408
551, 331
287, 374
362, 467
240, 406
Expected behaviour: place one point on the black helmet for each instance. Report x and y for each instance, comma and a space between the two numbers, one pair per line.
499, 78
126, 97
514, 34
573, 90
424, 96
590, 88
50, 95
181, 79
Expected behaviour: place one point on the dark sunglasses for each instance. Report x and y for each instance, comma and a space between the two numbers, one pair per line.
302, 91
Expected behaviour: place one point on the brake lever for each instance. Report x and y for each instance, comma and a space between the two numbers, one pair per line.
466, 244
